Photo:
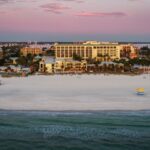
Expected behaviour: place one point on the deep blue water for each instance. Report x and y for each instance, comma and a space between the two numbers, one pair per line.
104, 130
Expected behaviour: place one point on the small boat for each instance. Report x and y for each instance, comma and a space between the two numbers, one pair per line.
140, 91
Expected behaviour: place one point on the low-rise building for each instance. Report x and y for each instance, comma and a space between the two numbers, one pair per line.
49, 65
106, 67
75, 66
142, 69
46, 65
3, 69
11, 69
16, 69
33, 51
128, 51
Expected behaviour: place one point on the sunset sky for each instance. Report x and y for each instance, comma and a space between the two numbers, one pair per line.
75, 20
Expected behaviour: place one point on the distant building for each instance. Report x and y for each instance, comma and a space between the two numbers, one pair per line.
41, 46
128, 51
1, 53
33, 51
144, 52
104, 51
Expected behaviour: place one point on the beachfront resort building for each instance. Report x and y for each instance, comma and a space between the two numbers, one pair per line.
50, 65
104, 51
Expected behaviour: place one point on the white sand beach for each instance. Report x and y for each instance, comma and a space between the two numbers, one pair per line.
77, 92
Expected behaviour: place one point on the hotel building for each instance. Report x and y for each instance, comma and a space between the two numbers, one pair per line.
94, 50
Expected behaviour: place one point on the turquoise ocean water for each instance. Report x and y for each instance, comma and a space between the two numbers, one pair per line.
103, 130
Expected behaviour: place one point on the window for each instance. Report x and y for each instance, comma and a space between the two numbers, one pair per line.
66, 53
62, 53
58, 53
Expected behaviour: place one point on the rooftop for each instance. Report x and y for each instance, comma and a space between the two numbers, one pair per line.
48, 59
87, 43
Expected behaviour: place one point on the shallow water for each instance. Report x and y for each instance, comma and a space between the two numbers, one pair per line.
104, 130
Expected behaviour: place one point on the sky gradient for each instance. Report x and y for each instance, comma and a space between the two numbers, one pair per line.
74, 20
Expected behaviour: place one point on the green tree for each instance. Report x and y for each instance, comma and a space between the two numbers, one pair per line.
50, 53
76, 57
22, 61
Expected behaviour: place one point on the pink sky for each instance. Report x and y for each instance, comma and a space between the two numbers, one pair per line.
57, 19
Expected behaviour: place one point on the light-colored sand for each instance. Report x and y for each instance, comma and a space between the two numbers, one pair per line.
66, 92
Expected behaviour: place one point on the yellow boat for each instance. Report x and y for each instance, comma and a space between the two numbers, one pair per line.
140, 91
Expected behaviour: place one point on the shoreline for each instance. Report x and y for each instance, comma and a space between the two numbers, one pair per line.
72, 112
75, 111
74, 93
9, 75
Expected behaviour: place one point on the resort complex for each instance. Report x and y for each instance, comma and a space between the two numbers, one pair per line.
86, 56
74, 57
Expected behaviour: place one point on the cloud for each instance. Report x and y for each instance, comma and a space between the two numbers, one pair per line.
101, 14
55, 8
16, 1
140, 1
3, 2
77, 1
135, 0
